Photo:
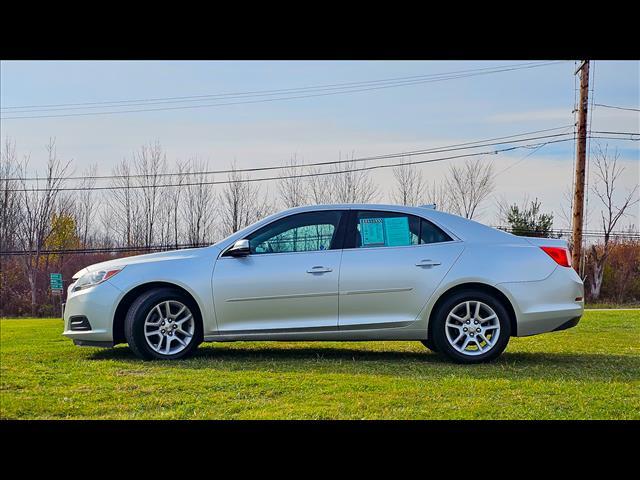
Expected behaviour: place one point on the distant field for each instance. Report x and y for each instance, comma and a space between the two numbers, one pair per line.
589, 372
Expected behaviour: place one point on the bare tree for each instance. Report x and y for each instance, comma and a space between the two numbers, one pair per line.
436, 192
350, 184
9, 213
168, 224
176, 198
151, 164
86, 205
291, 186
122, 216
37, 208
319, 186
9, 196
199, 204
241, 203
607, 174
468, 185
409, 188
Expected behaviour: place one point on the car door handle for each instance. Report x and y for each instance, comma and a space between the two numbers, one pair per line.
319, 269
427, 263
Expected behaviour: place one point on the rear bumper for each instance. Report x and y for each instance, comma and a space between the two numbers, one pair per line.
568, 324
547, 305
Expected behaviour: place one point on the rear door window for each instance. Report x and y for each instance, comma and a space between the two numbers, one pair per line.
392, 229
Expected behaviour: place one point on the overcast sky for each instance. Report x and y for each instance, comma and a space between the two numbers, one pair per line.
322, 128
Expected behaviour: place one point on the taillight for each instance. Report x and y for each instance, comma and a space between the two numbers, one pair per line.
559, 254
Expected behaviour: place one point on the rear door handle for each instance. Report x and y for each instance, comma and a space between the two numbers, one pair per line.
319, 269
427, 263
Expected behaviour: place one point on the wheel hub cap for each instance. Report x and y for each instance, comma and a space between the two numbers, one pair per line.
169, 327
472, 328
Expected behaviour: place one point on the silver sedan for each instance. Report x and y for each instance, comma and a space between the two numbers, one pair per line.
334, 272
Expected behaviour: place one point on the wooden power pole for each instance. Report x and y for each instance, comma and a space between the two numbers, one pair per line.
581, 152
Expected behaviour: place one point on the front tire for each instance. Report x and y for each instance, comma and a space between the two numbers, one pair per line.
429, 344
163, 324
471, 327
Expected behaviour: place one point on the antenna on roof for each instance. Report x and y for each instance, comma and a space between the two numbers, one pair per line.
431, 206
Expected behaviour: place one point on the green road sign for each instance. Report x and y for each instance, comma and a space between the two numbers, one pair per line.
56, 281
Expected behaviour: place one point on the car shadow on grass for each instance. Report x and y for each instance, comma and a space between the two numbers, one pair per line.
536, 365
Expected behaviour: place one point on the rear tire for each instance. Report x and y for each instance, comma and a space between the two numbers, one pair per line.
471, 327
163, 324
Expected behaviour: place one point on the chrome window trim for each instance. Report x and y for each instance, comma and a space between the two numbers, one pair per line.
402, 246
280, 253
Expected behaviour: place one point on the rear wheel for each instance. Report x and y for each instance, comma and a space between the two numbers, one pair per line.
471, 327
163, 324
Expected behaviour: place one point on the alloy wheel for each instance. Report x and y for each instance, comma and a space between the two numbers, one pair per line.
472, 328
169, 327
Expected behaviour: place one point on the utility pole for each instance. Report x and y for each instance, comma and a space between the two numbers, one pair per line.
578, 191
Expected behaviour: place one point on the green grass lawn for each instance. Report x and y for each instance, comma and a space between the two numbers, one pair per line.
589, 372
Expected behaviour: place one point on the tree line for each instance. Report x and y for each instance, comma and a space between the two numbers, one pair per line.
138, 211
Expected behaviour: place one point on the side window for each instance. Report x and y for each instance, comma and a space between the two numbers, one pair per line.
302, 232
429, 233
393, 229
386, 229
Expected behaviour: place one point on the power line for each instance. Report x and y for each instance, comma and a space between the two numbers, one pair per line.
147, 101
616, 133
316, 174
617, 108
411, 153
408, 153
284, 177
536, 149
535, 146
294, 97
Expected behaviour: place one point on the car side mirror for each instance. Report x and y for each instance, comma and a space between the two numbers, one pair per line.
240, 248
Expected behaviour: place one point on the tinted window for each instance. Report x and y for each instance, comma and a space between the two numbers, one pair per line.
386, 229
432, 234
392, 229
303, 232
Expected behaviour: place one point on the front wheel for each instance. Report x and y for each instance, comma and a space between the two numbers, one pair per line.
471, 327
163, 324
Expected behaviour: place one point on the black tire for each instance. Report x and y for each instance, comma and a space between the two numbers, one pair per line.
140, 308
439, 336
429, 344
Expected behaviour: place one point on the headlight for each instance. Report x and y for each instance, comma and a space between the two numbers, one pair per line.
94, 278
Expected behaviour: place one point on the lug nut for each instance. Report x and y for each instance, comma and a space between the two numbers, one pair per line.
175, 326
468, 321
478, 330
472, 334
162, 331
465, 329
475, 321
170, 320
163, 322
170, 332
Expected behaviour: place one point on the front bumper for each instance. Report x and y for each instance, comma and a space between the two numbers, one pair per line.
98, 305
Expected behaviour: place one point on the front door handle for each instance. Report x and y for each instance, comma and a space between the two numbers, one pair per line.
319, 269
427, 263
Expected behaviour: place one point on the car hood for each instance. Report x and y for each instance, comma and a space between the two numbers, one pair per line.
147, 258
